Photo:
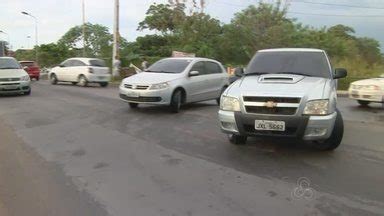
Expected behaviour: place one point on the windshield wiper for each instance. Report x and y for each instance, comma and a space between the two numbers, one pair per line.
255, 73
295, 73
8, 68
157, 71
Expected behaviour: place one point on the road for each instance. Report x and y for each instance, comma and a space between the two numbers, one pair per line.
82, 151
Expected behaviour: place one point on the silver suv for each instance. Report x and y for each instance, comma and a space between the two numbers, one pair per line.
286, 93
176, 81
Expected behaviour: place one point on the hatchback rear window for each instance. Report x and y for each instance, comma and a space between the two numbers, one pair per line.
97, 63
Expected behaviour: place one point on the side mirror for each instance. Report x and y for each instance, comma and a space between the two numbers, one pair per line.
239, 72
340, 73
194, 73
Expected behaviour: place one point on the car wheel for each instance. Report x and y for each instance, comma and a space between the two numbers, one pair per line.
176, 101
83, 81
133, 105
28, 92
37, 78
53, 79
337, 135
104, 84
363, 103
218, 99
237, 139
74, 83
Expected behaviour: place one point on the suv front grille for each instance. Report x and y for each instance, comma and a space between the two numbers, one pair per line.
271, 105
137, 87
9, 79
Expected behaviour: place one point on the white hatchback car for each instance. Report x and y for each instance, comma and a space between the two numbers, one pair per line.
176, 81
81, 71
368, 91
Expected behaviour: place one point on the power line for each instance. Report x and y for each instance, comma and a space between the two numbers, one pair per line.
339, 5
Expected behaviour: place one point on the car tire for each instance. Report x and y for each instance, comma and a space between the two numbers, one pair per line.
176, 101
104, 84
74, 83
83, 81
363, 103
37, 78
28, 92
53, 79
336, 137
133, 105
218, 99
237, 139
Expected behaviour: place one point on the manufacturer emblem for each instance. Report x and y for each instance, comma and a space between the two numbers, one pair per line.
270, 104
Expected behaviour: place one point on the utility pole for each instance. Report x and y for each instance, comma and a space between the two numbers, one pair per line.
36, 35
116, 39
84, 45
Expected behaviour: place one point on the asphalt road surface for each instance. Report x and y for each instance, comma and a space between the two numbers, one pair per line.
67, 150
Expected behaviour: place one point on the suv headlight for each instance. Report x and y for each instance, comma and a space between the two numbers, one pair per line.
317, 107
229, 103
25, 78
159, 86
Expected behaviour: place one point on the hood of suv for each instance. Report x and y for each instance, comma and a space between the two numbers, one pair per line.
12, 73
282, 85
151, 78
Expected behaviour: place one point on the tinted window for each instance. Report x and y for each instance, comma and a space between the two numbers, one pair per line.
212, 68
307, 63
8, 63
169, 66
199, 66
97, 63
67, 63
77, 63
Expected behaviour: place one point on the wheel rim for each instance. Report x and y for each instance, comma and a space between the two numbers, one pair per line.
82, 81
53, 79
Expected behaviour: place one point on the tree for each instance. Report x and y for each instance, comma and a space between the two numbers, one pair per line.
98, 41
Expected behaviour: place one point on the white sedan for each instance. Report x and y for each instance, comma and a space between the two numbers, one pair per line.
368, 90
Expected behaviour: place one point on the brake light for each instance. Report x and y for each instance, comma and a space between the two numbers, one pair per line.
90, 70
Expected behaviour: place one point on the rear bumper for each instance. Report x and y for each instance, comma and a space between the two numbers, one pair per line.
14, 87
372, 96
301, 127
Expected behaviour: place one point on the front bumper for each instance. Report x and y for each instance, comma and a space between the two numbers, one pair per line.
155, 97
15, 87
302, 127
366, 95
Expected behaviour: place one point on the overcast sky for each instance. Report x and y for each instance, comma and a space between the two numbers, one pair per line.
57, 16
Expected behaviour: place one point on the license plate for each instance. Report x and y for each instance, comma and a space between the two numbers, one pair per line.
100, 77
9, 87
355, 93
132, 94
269, 125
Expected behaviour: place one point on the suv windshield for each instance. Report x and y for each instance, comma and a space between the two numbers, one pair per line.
6, 63
97, 63
302, 63
169, 66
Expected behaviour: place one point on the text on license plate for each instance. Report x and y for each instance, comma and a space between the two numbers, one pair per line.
132, 94
269, 125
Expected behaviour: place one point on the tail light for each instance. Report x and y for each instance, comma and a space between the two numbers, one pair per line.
90, 70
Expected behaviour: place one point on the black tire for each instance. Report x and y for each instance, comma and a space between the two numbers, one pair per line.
37, 78
176, 101
53, 79
28, 92
218, 99
336, 137
133, 105
74, 83
237, 139
83, 81
363, 103
104, 84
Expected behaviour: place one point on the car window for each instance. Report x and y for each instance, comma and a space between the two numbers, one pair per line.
97, 63
67, 63
306, 63
9, 63
169, 66
77, 63
212, 68
199, 66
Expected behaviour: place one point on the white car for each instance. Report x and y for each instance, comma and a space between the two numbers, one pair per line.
176, 81
13, 79
368, 91
81, 71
